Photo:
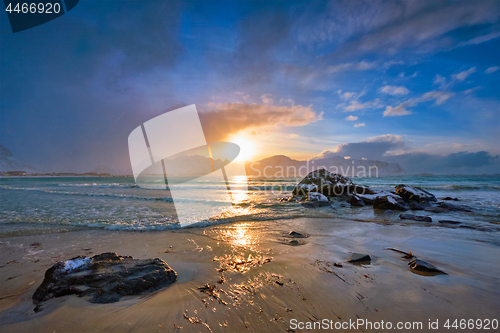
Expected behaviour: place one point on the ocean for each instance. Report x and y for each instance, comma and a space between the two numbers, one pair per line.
46, 204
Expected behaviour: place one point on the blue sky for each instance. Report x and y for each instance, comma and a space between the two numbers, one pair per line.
418, 78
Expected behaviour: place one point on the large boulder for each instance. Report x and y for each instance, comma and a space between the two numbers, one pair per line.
324, 182
104, 278
411, 193
391, 202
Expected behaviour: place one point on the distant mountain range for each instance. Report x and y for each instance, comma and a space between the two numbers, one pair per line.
9, 163
284, 166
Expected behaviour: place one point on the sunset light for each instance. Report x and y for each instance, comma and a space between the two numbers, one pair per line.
247, 148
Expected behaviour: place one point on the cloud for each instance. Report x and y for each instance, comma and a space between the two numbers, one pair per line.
229, 118
399, 110
387, 27
393, 90
373, 148
355, 105
351, 118
389, 148
351, 66
267, 99
491, 70
463, 75
439, 98
402, 75
360, 125
346, 95
461, 162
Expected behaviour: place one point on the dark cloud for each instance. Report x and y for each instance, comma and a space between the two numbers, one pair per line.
377, 148
374, 148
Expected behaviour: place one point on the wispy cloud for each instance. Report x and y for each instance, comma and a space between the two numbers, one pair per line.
352, 66
491, 70
458, 77
463, 75
359, 125
439, 98
351, 118
355, 105
393, 90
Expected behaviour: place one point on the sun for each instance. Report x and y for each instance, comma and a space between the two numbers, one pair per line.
247, 148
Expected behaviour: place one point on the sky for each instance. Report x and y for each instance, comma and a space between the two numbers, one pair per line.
411, 82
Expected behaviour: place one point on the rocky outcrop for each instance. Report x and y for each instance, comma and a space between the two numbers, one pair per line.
356, 201
453, 208
389, 202
410, 193
104, 278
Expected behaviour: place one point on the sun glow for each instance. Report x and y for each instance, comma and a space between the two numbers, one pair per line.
247, 148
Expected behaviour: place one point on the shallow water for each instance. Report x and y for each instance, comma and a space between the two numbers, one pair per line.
46, 203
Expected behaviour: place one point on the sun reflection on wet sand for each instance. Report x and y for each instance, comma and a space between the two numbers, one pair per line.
240, 236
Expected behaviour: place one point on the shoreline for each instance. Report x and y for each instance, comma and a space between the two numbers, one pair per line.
299, 282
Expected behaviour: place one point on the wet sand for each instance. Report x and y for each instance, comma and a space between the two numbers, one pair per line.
262, 282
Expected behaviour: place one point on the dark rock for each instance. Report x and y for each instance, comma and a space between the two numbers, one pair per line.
415, 217
104, 278
389, 202
448, 222
416, 205
356, 201
424, 266
388, 215
324, 182
361, 189
450, 198
411, 193
315, 199
315, 204
294, 234
434, 209
467, 226
359, 258
453, 208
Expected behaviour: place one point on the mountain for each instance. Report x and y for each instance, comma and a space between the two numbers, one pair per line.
9, 163
283, 166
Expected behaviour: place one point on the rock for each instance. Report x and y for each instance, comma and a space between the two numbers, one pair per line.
415, 217
104, 278
359, 258
361, 189
315, 204
454, 208
410, 193
324, 182
315, 196
356, 201
294, 234
450, 198
389, 202
315, 200
416, 206
424, 266
388, 215
436, 210
449, 222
